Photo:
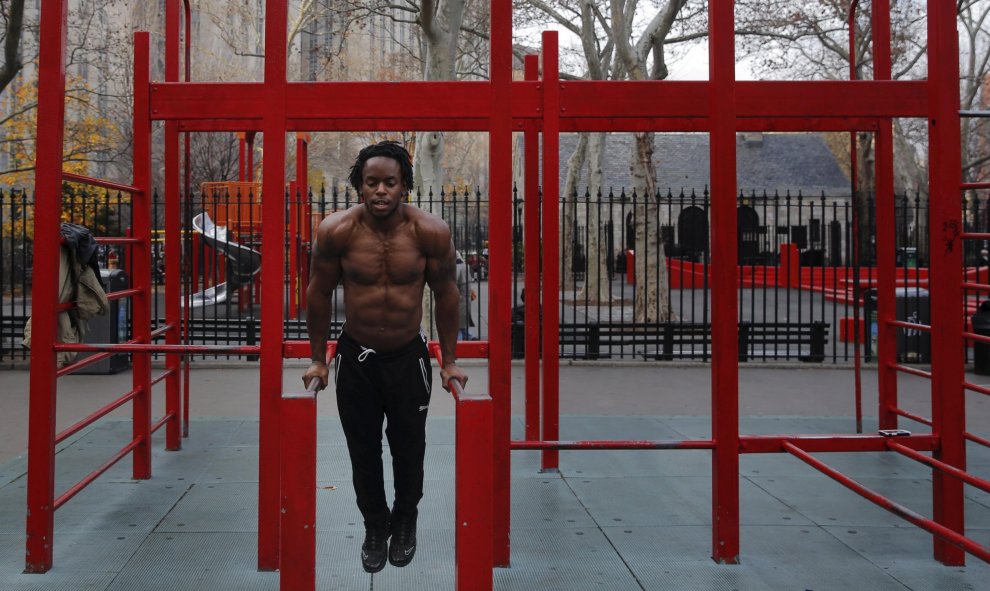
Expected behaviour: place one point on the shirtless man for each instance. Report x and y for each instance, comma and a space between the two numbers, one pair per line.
384, 252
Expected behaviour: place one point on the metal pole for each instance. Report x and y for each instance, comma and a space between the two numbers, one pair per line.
551, 249
500, 280
173, 236
48, 206
140, 254
725, 339
272, 278
945, 272
884, 231
531, 192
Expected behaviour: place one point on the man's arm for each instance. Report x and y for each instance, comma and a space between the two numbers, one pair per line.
324, 275
441, 276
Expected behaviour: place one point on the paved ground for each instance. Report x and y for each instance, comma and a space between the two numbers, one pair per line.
608, 520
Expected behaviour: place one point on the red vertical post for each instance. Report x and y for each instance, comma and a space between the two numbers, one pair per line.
725, 341
531, 194
250, 157
474, 475
551, 249
945, 272
272, 277
789, 270
48, 206
303, 218
293, 242
241, 157
140, 254
297, 562
173, 238
885, 225
500, 260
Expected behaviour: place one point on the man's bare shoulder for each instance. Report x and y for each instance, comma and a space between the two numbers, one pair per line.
336, 229
431, 230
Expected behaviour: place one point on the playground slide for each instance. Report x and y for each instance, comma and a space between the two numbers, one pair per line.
243, 263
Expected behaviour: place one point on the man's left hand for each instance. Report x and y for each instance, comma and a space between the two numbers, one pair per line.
449, 372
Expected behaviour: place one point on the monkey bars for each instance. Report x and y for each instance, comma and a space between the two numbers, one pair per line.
535, 106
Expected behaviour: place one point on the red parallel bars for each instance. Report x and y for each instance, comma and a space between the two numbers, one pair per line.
474, 479
944, 534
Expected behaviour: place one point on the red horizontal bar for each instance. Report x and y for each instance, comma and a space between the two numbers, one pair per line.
966, 477
296, 349
897, 509
977, 388
124, 293
976, 286
634, 444
966, 186
95, 358
117, 240
116, 295
977, 439
910, 370
164, 375
97, 415
161, 422
920, 419
976, 235
567, 124
76, 488
158, 348
161, 330
447, 102
830, 443
975, 337
208, 100
78, 178
910, 325
912, 416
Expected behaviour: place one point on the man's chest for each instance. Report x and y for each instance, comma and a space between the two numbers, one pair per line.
373, 260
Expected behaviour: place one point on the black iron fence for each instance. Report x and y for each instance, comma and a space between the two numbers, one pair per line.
802, 267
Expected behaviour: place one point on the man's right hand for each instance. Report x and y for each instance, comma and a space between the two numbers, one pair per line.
318, 371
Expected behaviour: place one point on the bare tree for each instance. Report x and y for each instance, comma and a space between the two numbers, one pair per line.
12, 13
616, 43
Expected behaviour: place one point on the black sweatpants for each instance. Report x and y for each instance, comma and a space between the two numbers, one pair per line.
372, 387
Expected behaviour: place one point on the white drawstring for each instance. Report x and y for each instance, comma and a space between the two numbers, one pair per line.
364, 353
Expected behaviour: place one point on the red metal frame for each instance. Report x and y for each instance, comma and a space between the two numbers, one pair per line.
721, 106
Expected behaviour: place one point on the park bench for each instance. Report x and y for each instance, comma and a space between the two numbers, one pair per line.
680, 340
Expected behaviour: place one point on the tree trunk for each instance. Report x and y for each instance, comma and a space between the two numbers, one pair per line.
597, 284
652, 294
575, 164
441, 23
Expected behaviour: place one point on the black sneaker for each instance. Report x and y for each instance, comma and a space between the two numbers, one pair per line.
403, 546
375, 549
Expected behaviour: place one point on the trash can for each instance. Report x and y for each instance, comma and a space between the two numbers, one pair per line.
981, 351
913, 346
911, 305
870, 319
109, 328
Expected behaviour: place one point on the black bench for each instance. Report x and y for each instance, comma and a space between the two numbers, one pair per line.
677, 340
